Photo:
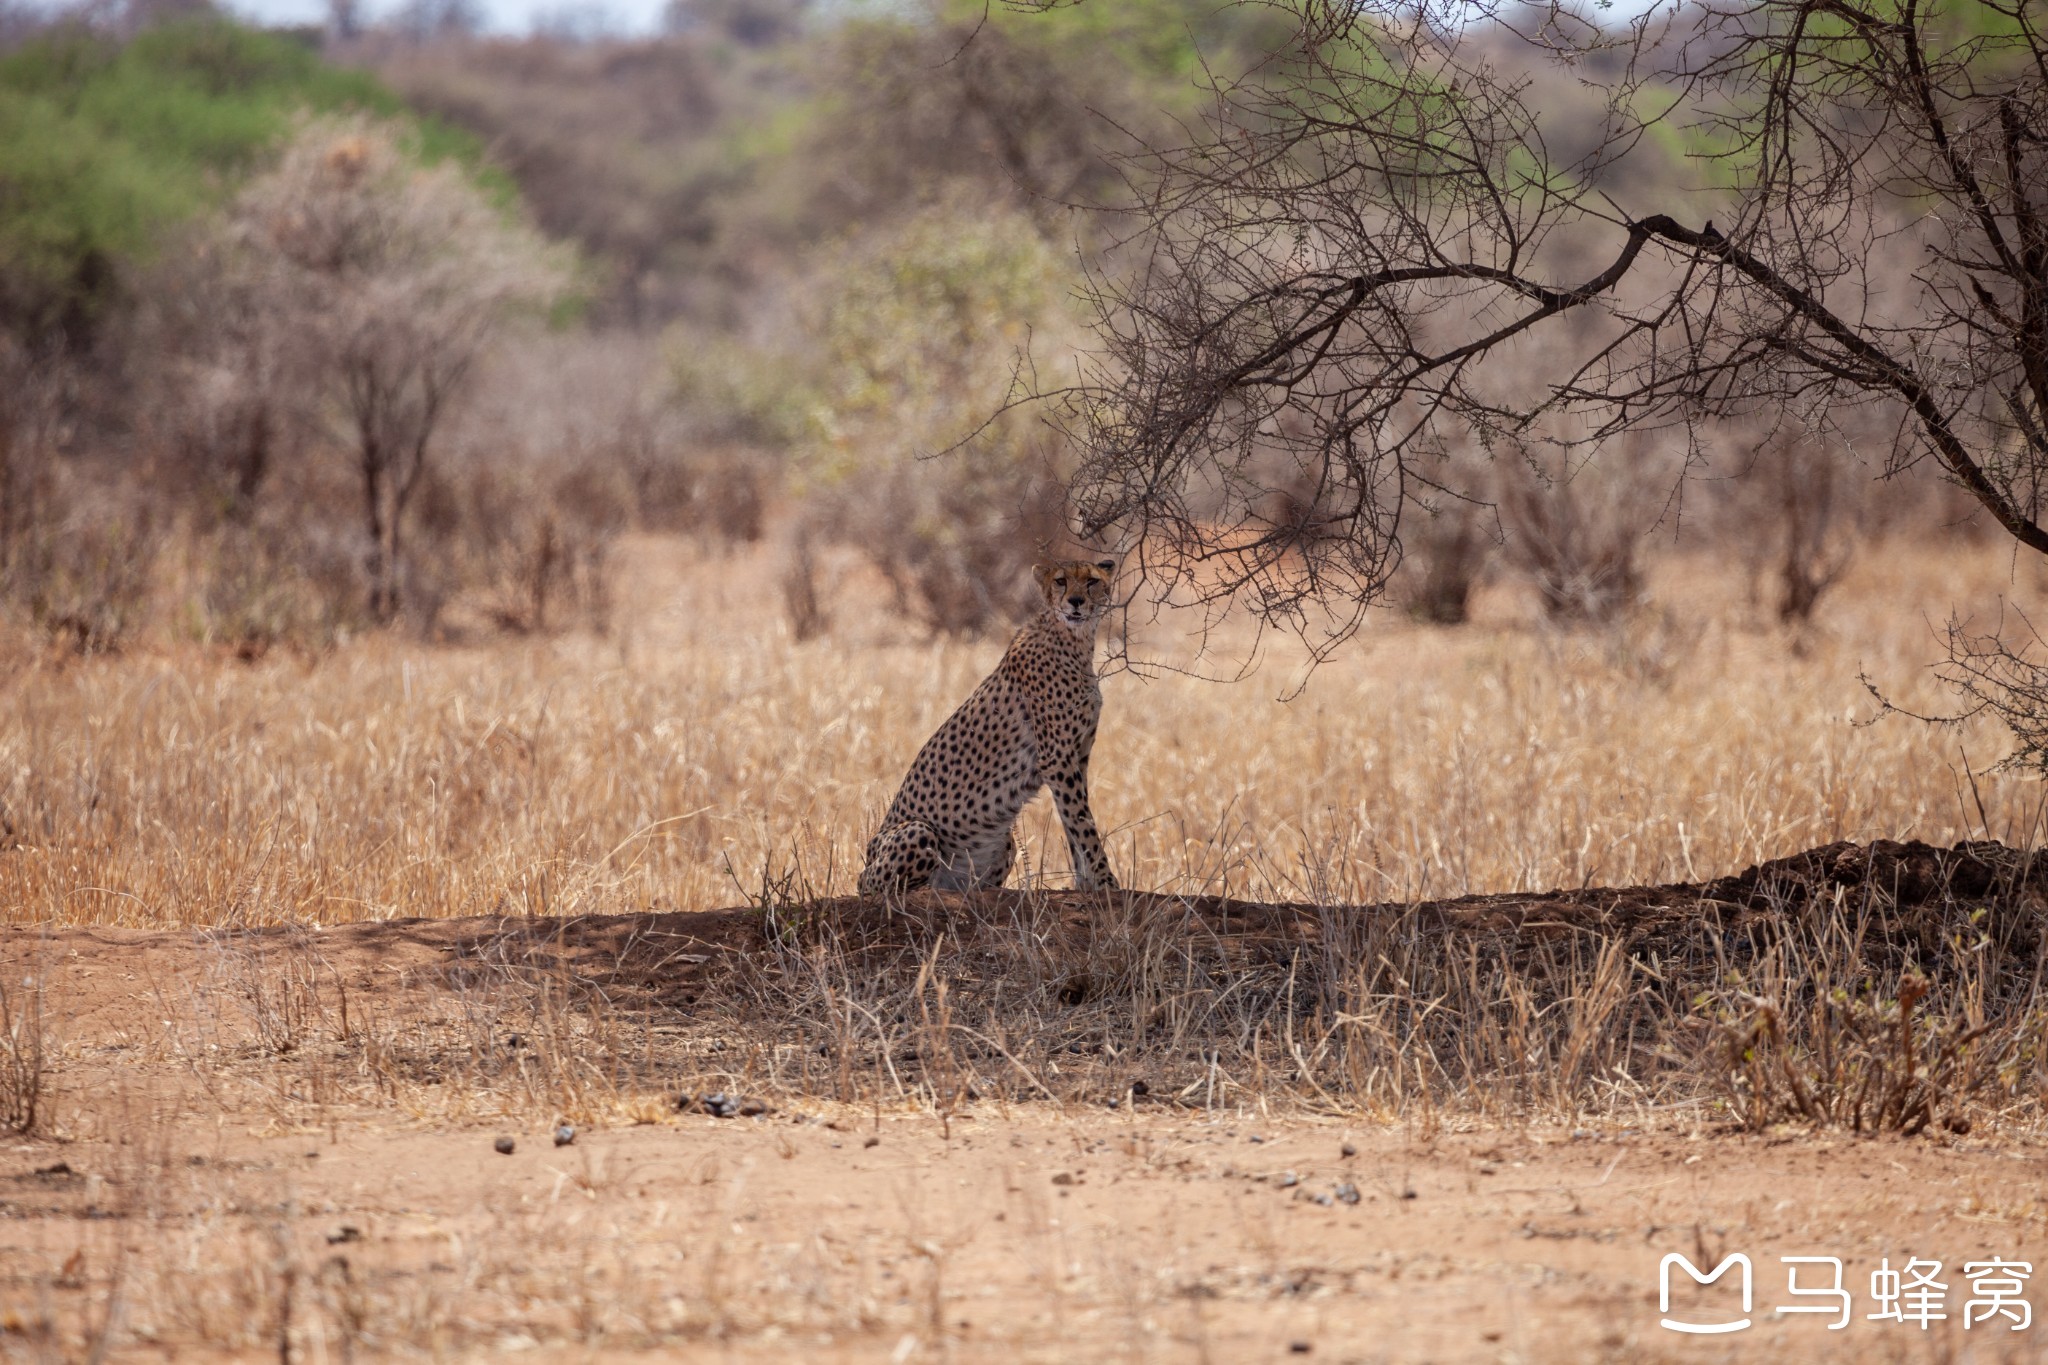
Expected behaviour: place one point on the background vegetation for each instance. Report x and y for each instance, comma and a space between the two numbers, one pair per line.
395, 332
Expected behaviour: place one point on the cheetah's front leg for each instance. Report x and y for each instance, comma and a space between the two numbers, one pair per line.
1084, 843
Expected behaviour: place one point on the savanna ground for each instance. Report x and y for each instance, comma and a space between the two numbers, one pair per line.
296, 940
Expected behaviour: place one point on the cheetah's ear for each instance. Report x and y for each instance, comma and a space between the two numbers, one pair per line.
1106, 565
1043, 571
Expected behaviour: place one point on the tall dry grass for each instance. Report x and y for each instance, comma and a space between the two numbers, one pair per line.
700, 750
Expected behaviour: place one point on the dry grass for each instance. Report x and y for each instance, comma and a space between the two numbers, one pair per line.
700, 752
285, 1150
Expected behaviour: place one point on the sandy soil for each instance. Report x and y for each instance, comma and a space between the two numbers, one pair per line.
231, 1202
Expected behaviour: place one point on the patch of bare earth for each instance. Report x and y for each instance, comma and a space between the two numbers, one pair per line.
1040, 1126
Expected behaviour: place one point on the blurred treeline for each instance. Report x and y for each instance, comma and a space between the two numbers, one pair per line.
303, 333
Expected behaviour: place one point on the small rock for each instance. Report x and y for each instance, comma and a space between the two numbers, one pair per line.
503, 1146
1288, 1180
1348, 1150
56, 1168
1064, 1178
565, 1135
1300, 1348
347, 1232
1140, 1088
1347, 1193
871, 1142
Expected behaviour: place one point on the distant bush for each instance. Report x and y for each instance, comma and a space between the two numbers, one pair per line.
1576, 522
914, 461
106, 144
377, 284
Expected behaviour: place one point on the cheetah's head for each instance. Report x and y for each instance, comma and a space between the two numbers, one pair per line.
1076, 590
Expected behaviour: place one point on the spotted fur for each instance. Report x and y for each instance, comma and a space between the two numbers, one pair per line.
1030, 724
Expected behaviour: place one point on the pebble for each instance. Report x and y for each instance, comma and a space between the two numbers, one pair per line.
565, 1135
720, 1105
503, 1146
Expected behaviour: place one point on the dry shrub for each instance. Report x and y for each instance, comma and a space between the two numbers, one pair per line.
24, 1053
284, 579
955, 542
805, 607
529, 547
82, 567
726, 496
1998, 673
1450, 532
77, 543
1576, 523
1444, 556
1867, 1063
1801, 1030
385, 280
1796, 507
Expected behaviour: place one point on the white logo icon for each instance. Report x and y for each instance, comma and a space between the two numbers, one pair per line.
1693, 1271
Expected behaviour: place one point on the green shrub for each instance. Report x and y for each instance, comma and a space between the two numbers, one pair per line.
105, 145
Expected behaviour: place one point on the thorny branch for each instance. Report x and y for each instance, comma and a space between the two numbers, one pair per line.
1364, 255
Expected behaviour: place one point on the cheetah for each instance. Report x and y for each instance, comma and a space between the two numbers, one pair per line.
1030, 724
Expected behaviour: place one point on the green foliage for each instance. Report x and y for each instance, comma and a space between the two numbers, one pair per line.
105, 145
1163, 48
921, 329
916, 459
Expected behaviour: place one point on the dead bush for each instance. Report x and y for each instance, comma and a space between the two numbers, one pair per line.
1868, 1063
24, 1054
1446, 551
956, 542
84, 572
77, 541
541, 543
1575, 526
809, 616
1794, 513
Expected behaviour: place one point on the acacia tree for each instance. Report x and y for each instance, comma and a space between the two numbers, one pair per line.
1377, 240
383, 280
